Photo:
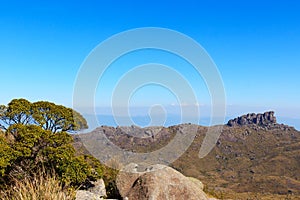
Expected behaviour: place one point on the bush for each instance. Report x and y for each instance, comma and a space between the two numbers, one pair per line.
6, 155
26, 148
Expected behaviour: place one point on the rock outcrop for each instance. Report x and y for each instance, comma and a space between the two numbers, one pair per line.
158, 182
264, 119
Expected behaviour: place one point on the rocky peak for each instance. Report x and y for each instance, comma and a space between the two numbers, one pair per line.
265, 119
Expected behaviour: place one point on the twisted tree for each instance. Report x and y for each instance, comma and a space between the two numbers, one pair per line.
47, 115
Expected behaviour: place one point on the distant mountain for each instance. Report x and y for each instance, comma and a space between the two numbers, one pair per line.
254, 154
172, 119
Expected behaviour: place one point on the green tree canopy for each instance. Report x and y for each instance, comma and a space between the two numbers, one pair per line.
47, 115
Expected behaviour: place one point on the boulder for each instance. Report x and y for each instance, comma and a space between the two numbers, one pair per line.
86, 195
197, 181
126, 177
95, 192
158, 182
98, 188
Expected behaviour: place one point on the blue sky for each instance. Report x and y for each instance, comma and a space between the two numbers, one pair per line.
255, 45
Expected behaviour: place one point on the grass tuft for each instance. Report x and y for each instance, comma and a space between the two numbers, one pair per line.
43, 186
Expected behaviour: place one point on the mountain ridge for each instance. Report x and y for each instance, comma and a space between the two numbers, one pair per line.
257, 158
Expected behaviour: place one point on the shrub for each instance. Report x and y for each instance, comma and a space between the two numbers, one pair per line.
6, 155
27, 148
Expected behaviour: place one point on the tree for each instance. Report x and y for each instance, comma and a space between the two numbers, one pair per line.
18, 111
45, 114
35, 137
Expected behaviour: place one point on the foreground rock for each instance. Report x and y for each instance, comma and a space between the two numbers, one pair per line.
86, 195
95, 192
158, 182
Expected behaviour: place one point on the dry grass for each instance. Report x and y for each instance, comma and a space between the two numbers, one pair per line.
43, 186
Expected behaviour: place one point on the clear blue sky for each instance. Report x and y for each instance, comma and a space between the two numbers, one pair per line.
255, 44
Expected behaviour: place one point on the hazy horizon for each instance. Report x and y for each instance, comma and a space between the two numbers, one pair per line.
144, 120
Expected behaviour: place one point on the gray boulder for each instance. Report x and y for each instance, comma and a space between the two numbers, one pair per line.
96, 192
86, 195
98, 188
